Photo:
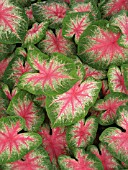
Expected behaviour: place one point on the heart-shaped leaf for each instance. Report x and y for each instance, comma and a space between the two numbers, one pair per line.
98, 46
36, 159
71, 106
22, 105
84, 161
116, 80
108, 161
82, 133
13, 22
55, 76
108, 107
14, 145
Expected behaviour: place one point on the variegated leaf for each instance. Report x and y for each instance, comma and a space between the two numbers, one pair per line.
13, 22
71, 106
116, 80
40, 100
54, 12
23, 3
15, 69
108, 107
5, 50
14, 145
3, 65
35, 34
121, 20
124, 69
116, 142
20, 51
3, 102
29, 13
9, 94
111, 7
75, 23
22, 105
55, 76
37, 159
84, 161
98, 46
122, 117
55, 143
56, 43
96, 74
82, 134
105, 88
87, 6
107, 159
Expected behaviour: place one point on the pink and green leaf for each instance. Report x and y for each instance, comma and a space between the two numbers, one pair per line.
55, 143
73, 105
20, 51
122, 117
9, 94
14, 145
98, 46
87, 6
3, 65
84, 161
3, 102
82, 133
121, 20
54, 76
112, 7
75, 23
105, 88
108, 107
40, 100
5, 50
22, 105
116, 142
34, 160
13, 22
56, 43
15, 69
54, 12
116, 80
124, 69
96, 74
29, 13
35, 34
107, 159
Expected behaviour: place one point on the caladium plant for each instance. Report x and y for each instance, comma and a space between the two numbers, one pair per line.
75, 23
87, 6
22, 105
14, 145
116, 80
84, 160
108, 161
56, 43
71, 106
55, 76
55, 143
108, 107
13, 22
34, 160
111, 7
121, 20
98, 46
35, 34
63, 84
54, 12
82, 133
115, 139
